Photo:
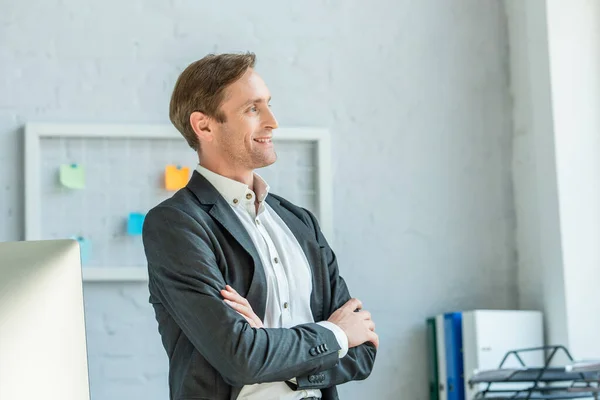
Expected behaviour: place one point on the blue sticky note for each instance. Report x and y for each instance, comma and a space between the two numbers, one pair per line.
85, 248
135, 223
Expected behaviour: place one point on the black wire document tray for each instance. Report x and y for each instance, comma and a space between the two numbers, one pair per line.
537, 396
551, 374
575, 380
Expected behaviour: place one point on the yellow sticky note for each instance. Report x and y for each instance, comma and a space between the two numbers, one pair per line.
176, 177
72, 176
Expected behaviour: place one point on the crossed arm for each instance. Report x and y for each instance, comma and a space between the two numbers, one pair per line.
185, 278
341, 317
358, 326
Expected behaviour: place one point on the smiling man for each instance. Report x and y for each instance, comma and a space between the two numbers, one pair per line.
246, 290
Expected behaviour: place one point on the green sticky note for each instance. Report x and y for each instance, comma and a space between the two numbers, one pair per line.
72, 176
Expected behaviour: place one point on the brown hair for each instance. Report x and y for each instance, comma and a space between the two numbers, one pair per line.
201, 87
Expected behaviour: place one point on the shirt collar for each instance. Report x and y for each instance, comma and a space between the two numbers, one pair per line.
233, 191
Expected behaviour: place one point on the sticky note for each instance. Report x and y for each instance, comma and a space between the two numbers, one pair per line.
176, 177
85, 248
72, 176
135, 223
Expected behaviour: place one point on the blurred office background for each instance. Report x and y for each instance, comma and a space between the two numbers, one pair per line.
464, 151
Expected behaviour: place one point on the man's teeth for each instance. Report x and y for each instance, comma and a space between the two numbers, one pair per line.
263, 140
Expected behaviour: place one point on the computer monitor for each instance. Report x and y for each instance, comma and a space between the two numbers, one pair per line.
43, 351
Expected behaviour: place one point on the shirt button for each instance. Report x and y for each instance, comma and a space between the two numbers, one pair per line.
257, 221
235, 201
304, 393
276, 260
248, 196
286, 305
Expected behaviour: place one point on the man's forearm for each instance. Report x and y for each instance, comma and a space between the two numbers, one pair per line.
245, 355
355, 366
340, 335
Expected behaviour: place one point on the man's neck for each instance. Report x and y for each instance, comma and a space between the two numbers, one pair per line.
244, 176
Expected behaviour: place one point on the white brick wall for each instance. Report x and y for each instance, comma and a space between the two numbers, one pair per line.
414, 93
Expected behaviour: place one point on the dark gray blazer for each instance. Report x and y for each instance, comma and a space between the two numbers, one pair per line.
195, 245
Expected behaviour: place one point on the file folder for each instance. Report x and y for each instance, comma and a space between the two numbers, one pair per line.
454, 358
441, 356
433, 361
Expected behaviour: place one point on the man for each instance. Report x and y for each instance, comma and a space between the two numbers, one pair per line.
245, 288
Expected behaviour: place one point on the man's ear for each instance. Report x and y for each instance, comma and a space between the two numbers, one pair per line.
201, 124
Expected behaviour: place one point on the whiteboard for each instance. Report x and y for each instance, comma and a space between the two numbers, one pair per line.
124, 173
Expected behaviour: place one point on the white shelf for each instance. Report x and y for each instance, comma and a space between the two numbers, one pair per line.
115, 274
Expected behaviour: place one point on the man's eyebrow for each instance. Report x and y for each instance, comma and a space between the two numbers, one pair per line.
256, 100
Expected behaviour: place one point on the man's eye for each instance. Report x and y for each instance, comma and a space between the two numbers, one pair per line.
253, 109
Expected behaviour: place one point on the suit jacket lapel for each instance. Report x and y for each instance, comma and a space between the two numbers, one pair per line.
312, 250
222, 212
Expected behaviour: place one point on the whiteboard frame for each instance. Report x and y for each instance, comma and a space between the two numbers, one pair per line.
35, 131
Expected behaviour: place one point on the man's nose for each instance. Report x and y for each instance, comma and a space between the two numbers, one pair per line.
271, 121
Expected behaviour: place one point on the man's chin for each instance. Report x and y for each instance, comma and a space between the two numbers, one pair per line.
265, 162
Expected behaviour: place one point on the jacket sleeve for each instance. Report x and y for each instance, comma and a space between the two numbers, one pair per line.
359, 361
185, 278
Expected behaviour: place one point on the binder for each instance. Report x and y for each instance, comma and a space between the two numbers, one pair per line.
454, 357
433, 361
441, 357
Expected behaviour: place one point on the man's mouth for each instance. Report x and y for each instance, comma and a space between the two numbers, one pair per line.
263, 140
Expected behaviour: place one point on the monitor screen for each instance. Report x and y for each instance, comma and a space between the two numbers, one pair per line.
43, 352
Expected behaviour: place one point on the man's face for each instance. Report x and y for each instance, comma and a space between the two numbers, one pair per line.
243, 142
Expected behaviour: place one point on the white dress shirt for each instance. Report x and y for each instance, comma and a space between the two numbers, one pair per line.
289, 280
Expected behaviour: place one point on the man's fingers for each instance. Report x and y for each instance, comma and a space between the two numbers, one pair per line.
250, 320
242, 309
370, 324
230, 289
365, 314
374, 338
246, 313
242, 306
233, 304
235, 297
353, 304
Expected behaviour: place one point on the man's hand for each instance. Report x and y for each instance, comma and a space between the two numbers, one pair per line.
241, 305
358, 325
